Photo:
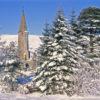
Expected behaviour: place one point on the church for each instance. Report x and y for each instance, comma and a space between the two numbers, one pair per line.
23, 45
27, 43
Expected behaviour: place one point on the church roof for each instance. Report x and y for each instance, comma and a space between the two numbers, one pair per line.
23, 26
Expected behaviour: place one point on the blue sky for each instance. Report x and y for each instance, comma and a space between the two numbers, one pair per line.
37, 12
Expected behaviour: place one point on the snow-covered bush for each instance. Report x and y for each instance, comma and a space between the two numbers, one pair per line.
25, 83
7, 82
23, 89
88, 78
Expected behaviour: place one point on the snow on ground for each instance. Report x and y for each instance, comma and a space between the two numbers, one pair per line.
34, 40
38, 96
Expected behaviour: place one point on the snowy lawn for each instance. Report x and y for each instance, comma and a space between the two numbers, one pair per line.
36, 96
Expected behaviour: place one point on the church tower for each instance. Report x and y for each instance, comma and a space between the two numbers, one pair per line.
23, 45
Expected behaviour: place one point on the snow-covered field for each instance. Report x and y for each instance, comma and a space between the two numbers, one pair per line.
34, 40
14, 96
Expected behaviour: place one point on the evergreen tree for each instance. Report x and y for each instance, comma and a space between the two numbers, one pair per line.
55, 76
79, 40
74, 25
90, 24
12, 69
43, 49
10, 64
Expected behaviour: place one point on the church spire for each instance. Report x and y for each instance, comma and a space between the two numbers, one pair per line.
23, 26
23, 45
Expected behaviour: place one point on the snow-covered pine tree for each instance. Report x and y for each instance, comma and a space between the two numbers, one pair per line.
9, 67
90, 24
55, 76
42, 52
74, 24
79, 40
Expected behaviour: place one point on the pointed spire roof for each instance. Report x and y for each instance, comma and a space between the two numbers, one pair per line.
23, 26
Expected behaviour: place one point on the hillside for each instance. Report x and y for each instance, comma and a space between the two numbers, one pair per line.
34, 40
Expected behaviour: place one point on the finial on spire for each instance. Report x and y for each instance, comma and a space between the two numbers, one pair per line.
23, 26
